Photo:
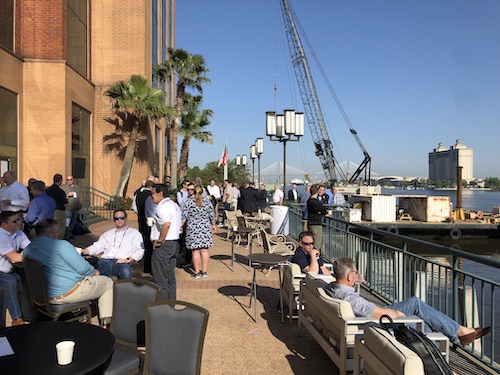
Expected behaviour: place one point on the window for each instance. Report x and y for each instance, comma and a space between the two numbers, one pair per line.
7, 24
8, 128
80, 138
77, 35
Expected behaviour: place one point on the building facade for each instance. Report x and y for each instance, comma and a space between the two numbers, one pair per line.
443, 162
57, 58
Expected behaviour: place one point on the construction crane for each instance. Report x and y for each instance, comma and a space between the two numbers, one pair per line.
312, 108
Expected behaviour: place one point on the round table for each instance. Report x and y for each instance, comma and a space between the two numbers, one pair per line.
269, 260
35, 353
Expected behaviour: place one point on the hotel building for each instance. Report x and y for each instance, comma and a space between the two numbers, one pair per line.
57, 58
443, 162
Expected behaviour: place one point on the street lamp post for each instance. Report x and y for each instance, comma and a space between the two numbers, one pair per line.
259, 148
288, 127
253, 155
241, 160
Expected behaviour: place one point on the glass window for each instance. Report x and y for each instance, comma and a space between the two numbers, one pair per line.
80, 139
77, 35
7, 24
8, 128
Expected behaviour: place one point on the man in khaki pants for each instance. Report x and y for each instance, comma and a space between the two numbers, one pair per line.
59, 196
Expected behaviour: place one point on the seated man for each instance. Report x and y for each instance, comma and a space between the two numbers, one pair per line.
307, 257
119, 247
12, 239
69, 278
345, 271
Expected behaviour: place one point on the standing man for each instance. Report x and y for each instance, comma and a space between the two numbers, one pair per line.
316, 211
69, 277
74, 205
228, 195
14, 196
307, 257
250, 199
142, 215
303, 198
293, 195
278, 195
12, 241
322, 196
182, 194
338, 198
119, 247
41, 207
165, 239
214, 195
262, 198
59, 196
236, 196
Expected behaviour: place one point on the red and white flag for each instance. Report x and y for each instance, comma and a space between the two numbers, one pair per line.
224, 159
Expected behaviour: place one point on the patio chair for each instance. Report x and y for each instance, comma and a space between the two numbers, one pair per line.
231, 222
277, 244
175, 333
378, 352
130, 297
36, 284
292, 280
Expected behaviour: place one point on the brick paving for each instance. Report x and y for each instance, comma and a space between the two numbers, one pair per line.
234, 343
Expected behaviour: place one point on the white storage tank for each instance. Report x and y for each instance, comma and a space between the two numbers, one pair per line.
376, 208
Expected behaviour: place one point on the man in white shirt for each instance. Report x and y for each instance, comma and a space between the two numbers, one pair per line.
12, 239
14, 196
182, 194
278, 195
119, 247
165, 241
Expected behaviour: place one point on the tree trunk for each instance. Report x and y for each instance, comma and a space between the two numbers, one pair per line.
128, 160
183, 161
179, 104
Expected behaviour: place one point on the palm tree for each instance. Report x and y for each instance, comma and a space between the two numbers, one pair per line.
135, 104
193, 122
190, 72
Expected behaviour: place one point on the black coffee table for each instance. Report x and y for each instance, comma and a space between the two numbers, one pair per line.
35, 353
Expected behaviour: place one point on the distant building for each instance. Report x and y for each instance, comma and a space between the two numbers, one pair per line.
57, 58
443, 162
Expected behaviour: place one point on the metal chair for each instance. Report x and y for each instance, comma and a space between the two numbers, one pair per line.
36, 284
130, 297
175, 333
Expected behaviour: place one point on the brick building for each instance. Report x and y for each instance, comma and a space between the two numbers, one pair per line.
57, 58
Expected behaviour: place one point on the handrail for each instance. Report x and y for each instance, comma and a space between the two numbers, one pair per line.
96, 202
394, 272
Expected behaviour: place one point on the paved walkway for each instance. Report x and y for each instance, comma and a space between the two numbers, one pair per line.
234, 343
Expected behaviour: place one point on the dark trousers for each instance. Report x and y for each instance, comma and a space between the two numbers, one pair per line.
163, 264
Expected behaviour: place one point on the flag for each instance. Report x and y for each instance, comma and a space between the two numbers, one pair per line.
224, 158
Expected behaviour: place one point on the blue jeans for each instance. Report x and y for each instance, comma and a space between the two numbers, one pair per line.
436, 320
163, 264
73, 217
8, 281
109, 267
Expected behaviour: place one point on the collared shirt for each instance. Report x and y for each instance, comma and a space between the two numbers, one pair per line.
303, 259
339, 198
360, 306
228, 190
277, 196
62, 265
41, 207
11, 242
167, 211
18, 195
214, 191
58, 195
182, 195
118, 244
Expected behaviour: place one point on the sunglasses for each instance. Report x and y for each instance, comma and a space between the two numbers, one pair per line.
308, 243
190, 189
119, 218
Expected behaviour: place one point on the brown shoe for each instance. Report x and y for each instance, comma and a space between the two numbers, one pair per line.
18, 322
478, 333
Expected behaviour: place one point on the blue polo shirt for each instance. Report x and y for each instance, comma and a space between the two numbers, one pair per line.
303, 259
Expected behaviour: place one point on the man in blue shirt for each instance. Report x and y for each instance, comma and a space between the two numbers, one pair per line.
69, 277
307, 257
41, 207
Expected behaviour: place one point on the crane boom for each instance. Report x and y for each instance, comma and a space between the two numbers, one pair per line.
312, 108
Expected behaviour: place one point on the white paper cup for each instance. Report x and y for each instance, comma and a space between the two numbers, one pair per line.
235, 228
65, 350
330, 212
150, 221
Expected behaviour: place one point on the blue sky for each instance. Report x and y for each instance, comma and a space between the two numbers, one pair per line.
409, 74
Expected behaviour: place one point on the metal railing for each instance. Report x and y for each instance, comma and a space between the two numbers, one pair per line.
96, 203
398, 267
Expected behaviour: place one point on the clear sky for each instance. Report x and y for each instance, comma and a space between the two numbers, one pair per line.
409, 74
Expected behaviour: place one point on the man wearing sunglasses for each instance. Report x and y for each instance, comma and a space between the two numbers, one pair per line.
307, 257
119, 247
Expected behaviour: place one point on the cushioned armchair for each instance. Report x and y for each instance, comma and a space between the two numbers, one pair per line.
378, 352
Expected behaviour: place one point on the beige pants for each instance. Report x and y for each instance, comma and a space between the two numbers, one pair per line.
93, 287
60, 217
